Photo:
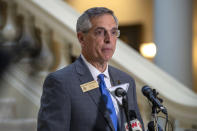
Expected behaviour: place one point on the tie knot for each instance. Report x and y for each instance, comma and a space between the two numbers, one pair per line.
101, 77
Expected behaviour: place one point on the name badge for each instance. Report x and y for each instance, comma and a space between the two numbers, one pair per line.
89, 86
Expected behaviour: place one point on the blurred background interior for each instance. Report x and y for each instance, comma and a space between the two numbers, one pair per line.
157, 46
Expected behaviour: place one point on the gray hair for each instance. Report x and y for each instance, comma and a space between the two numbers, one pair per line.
83, 22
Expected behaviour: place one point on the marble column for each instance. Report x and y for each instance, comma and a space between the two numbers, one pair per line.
173, 37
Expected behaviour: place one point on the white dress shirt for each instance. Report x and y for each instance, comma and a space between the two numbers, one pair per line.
95, 72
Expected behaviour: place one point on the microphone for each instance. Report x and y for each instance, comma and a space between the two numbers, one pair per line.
151, 126
134, 122
148, 92
120, 92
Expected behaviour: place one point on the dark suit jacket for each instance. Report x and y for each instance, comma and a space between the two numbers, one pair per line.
64, 106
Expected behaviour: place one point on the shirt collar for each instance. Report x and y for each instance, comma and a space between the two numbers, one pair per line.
94, 71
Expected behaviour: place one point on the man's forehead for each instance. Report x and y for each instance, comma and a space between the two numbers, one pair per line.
102, 16
103, 21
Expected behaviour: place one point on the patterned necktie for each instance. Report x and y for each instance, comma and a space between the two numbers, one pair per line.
108, 101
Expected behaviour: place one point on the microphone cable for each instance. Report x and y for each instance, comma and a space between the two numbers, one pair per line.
168, 123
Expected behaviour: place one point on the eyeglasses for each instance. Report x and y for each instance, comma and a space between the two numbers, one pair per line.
101, 32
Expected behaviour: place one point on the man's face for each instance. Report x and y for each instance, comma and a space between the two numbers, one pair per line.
98, 45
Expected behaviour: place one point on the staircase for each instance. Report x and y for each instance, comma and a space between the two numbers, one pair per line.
8, 120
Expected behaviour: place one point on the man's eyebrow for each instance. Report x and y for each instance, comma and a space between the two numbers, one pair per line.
114, 28
97, 28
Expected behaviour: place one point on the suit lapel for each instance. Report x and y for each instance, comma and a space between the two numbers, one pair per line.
95, 94
114, 77
116, 80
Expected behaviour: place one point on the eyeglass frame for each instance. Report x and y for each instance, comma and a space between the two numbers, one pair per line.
104, 32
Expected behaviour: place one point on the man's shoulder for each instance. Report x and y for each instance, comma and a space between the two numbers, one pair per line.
63, 72
65, 69
70, 70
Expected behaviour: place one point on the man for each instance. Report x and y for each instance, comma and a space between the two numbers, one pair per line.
72, 100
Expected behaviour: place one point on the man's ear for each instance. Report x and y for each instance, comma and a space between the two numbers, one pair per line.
80, 36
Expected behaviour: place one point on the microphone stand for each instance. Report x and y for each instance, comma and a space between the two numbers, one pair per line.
126, 110
119, 92
154, 111
154, 114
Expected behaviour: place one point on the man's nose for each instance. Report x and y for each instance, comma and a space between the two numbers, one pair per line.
107, 37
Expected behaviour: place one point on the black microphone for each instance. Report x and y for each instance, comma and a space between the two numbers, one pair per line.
148, 92
120, 92
151, 126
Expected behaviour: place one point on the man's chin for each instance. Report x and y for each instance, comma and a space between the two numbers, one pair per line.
107, 58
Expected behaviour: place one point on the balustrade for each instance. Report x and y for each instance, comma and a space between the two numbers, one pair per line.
30, 40
10, 32
29, 43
